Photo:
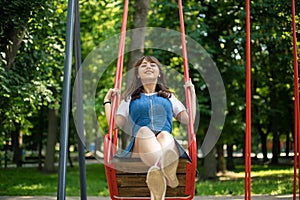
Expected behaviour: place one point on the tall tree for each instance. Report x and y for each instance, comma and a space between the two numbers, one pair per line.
16, 79
29, 56
137, 43
273, 68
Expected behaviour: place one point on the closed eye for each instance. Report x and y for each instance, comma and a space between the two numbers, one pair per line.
145, 65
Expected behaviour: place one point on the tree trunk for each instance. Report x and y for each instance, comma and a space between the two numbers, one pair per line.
51, 139
40, 148
17, 141
230, 161
137, 37
69, 157
210, 166
275, 148
6, 150
221, 159
263, 139
140, 16
287, 145
274, 103
274, 126
40, 137
274, 119
16, 37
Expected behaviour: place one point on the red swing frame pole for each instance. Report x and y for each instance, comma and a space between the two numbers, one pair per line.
296, 105
248, 107
192, 145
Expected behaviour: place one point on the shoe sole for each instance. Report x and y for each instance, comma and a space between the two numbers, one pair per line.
169, 167
156, 183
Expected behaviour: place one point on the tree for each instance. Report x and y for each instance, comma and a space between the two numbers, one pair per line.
27, 64
32, 51
273, 67
137, 41
14, 25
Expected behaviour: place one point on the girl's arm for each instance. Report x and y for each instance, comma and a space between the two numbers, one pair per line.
119, 119
183, 116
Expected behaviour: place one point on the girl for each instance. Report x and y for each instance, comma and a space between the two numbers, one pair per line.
149, 106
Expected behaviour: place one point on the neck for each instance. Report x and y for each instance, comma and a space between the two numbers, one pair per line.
149, 88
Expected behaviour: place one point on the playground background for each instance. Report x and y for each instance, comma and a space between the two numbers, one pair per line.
32, 57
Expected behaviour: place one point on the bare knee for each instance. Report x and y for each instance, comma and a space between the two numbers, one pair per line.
144, 133
166, 140
147, 146
164, 135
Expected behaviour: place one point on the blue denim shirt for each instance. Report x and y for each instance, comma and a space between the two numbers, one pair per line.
152, 111
156, 113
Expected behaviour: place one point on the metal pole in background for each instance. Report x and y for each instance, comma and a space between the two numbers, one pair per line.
248, 107
79, 104
64, 134
296, 105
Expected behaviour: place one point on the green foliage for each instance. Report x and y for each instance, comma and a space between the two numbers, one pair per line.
99, 20
30, 78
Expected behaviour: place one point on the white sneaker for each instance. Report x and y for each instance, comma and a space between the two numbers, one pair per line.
169, 163
156, 183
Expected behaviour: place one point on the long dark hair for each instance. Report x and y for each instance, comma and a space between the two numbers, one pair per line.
136, 87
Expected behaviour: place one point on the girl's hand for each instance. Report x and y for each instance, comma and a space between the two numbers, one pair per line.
189, 84
111, 93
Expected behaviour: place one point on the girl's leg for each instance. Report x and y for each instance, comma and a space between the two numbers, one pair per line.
147, 146
166, 141
169, 160
149, 150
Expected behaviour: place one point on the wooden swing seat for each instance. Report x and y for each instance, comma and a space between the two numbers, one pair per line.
130, 175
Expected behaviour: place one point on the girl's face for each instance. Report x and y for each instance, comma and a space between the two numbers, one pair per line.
148, 72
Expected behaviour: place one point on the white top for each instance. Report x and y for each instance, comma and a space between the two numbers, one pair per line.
177, 106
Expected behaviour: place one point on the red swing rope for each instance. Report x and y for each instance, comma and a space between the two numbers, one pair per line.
296, 105
248, 107
186, 74
119, 69
192, 145
118, 79
110, 149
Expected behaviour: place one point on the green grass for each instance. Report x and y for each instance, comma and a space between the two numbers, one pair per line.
271, 180
33, 182
30, 181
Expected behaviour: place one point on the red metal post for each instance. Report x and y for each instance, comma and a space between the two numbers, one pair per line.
248, 107
296, 105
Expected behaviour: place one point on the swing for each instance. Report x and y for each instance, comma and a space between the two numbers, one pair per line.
130, 184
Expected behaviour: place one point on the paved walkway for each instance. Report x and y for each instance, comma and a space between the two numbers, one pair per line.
254, 197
